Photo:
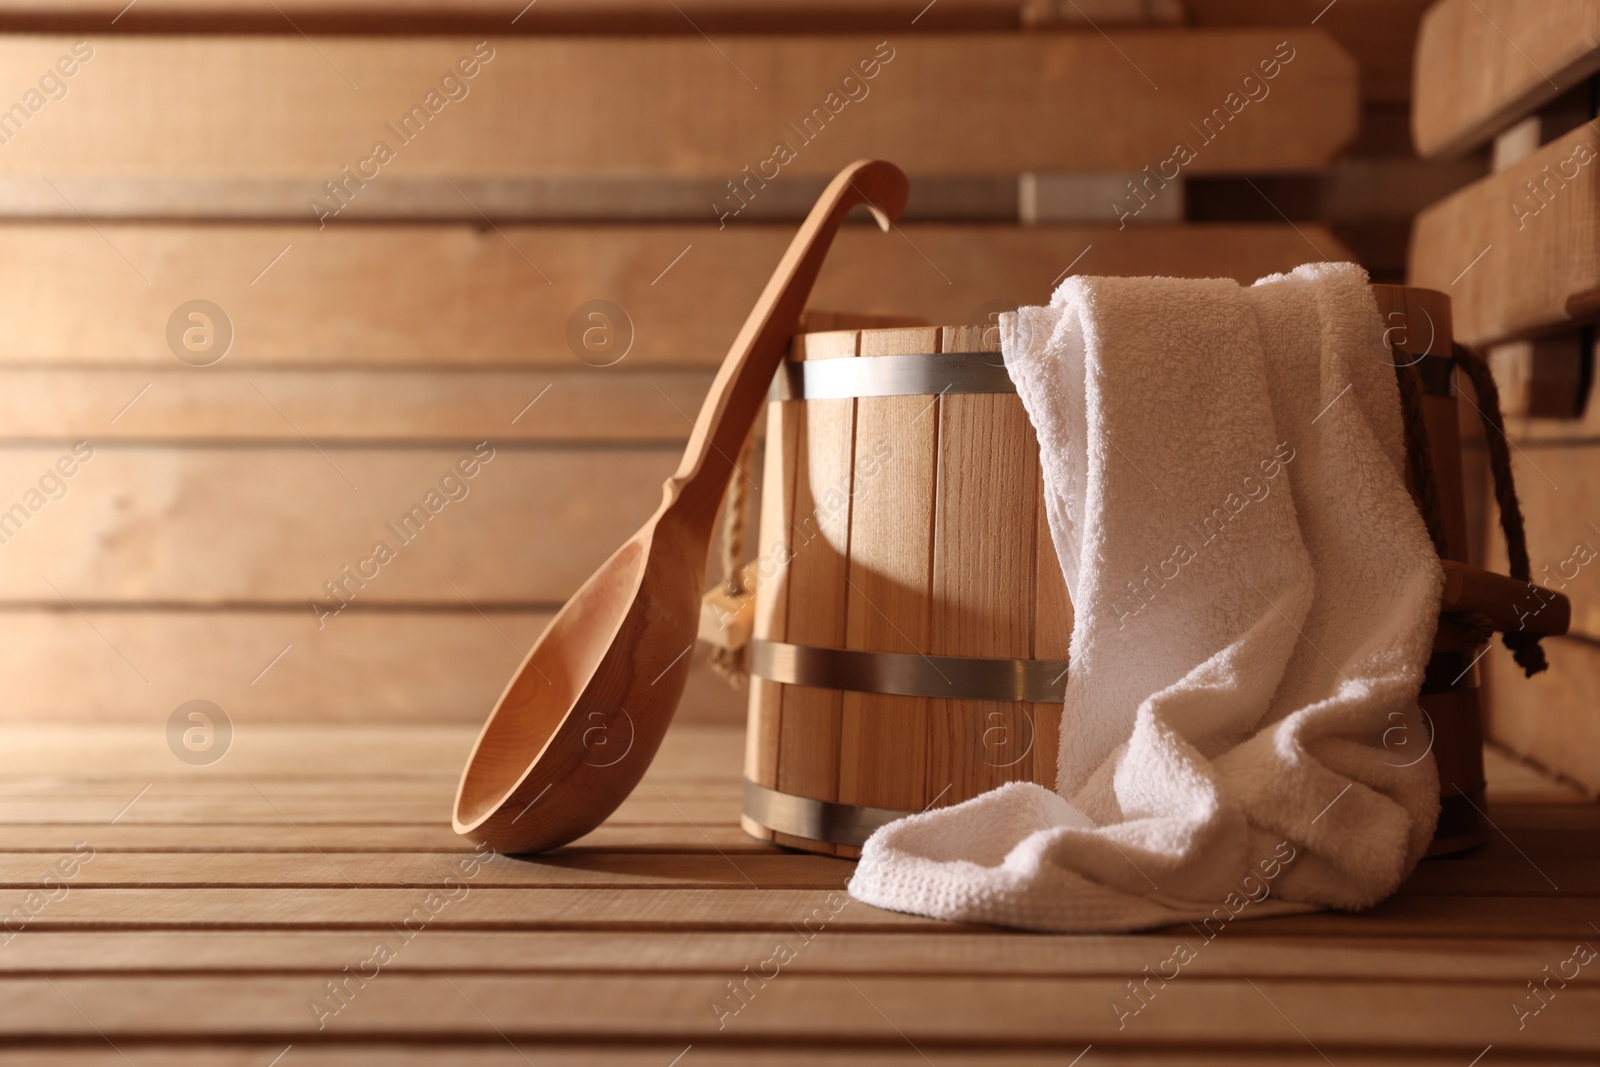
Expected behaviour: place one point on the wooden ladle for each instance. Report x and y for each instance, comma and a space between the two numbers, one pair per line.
573, 733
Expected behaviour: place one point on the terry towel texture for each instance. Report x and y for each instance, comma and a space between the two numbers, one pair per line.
1255, 598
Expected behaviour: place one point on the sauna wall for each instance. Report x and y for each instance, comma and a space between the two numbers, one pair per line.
275, 277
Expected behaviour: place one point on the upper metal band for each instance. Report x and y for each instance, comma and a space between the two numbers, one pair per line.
917, 374
815, 820
1039, 681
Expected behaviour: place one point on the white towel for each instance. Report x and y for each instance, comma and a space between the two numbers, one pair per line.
1255, 598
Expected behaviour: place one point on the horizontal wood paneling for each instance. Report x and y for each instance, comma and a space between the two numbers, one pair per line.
1584, 429
1559, 488
462, 406
429, 870
454, 295
318, 750
1495, 875
930, 1012
437, 666
272, 525
515, 16
983, 954
144, 108
1517, 258
1552, 718
379, 1053
1484, 64
544, 198
1379, 34
267, 803
540, 951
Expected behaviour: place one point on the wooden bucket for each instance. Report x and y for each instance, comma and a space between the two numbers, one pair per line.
911, 622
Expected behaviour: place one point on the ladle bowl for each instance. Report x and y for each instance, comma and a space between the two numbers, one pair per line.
577, 727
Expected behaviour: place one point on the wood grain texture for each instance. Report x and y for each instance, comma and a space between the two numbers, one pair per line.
763, 732
566, 1054
430, 871
1558, 486
990, 953
613, 837
1551, 718
671, 106
981, 588
1379, 34
884, 739
1542, 378
931, 1012
1516, 251
815, 536
1583, 429
231, 892
1052, 639
1501, 872
1484, 64
441, 665
505, 17
182, 405
352, 295
690, 752
224, 526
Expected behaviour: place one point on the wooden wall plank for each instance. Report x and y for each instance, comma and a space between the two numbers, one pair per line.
1553, 718
143, 108
1484, 64
377, 1053
1583, 429
1517, 251
142, 524
1542, 378
533, 909
930, 1012
509, 17
612, 836
607, 198
1558, 487
434, 666
1503, 872
431, 870
989, 953
194, 405
1379, 34
351, 295
269, 803
694, 752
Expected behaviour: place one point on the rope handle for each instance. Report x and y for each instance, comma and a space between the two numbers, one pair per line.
731, 661
1525, 647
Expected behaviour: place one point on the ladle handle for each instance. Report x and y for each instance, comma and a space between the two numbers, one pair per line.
736, 396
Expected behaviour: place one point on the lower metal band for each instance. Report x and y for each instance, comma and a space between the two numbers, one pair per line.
815, 820
1040, 681
916, 374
